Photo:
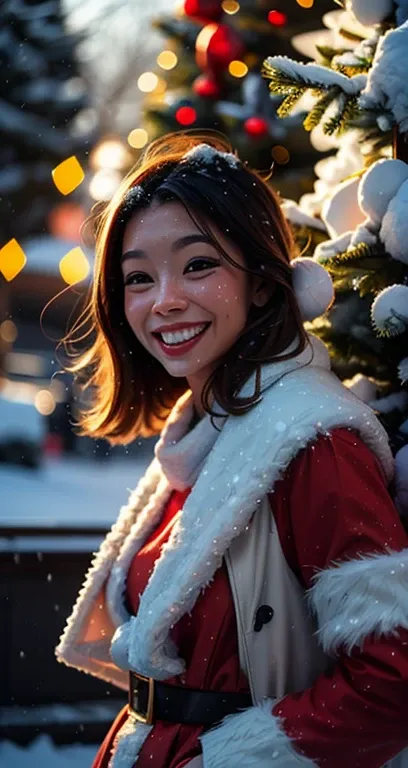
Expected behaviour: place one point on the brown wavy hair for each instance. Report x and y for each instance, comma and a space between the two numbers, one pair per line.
131, 392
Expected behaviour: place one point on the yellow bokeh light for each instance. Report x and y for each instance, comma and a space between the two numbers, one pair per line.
44, 402
138, 138
8, 331
74, 266
230, 7
12, 259
147, 82
237, 68
305, 3
167, 60
280, 154
68, 175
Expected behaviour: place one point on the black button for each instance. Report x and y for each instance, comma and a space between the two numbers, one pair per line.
264, 615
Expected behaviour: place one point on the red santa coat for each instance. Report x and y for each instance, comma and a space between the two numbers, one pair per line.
331, 505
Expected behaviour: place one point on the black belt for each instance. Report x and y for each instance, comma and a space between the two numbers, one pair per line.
150, 700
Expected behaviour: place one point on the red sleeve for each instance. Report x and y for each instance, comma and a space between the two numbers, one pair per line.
332, 505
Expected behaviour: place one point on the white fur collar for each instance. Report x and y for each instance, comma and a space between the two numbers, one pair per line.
251, 452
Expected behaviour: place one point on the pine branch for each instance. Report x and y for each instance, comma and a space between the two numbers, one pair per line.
348, 111
286, 106
328, 53
316, 113
284, 73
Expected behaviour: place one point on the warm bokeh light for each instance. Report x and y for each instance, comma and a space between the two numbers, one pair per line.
8, 331
44, 402
12, 259
138, 138
280, 154
237, 68
230, 7
74, 266
104, 184
167, 60
305, 3
68, 175
147, 82
110, 154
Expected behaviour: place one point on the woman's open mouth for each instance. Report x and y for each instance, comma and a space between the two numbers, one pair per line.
179, 342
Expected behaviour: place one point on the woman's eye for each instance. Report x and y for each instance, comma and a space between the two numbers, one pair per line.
137, 278
198, 265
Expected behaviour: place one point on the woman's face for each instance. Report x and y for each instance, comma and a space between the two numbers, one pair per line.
184, 302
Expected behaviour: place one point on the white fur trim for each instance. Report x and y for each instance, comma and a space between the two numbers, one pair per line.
361, 597
70, 650
146, 521
254, 738
128, 743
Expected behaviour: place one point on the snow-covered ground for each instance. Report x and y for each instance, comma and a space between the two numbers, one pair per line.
43, 753
68, 492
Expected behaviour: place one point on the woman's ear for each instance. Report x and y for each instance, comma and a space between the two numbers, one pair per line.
261, 292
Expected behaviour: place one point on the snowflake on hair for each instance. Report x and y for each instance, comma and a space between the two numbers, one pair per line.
205, 155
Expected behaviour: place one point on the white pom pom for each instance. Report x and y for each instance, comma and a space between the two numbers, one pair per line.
362, 387
389, 310
394, 228
313, 287
379, 185
370, 12
401, 480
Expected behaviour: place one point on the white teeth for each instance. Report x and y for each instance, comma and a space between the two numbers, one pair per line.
178, 336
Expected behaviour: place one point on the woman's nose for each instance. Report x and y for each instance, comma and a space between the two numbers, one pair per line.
170, 296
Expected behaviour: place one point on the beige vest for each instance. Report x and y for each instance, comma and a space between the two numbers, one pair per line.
284, 655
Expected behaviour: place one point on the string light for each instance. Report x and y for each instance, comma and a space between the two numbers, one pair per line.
110, 153
147, 82
237, 68
230, 7
74, 266
138, 138
280, 154
305, 3
167, 60
44, 402
8, 331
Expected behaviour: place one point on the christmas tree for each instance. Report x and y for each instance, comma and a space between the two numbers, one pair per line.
208, 77
357, 93
41, 95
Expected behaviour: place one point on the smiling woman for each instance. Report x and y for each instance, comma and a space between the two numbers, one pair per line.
192, 237
252, 597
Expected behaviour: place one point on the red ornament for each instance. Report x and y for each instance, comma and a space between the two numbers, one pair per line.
256, 126
277, 18
209, 10
216, 46
206, 87
186, 115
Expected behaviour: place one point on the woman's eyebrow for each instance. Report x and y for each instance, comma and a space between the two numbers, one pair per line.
182, 242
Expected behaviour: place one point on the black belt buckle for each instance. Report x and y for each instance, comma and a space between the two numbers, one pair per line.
146, 715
